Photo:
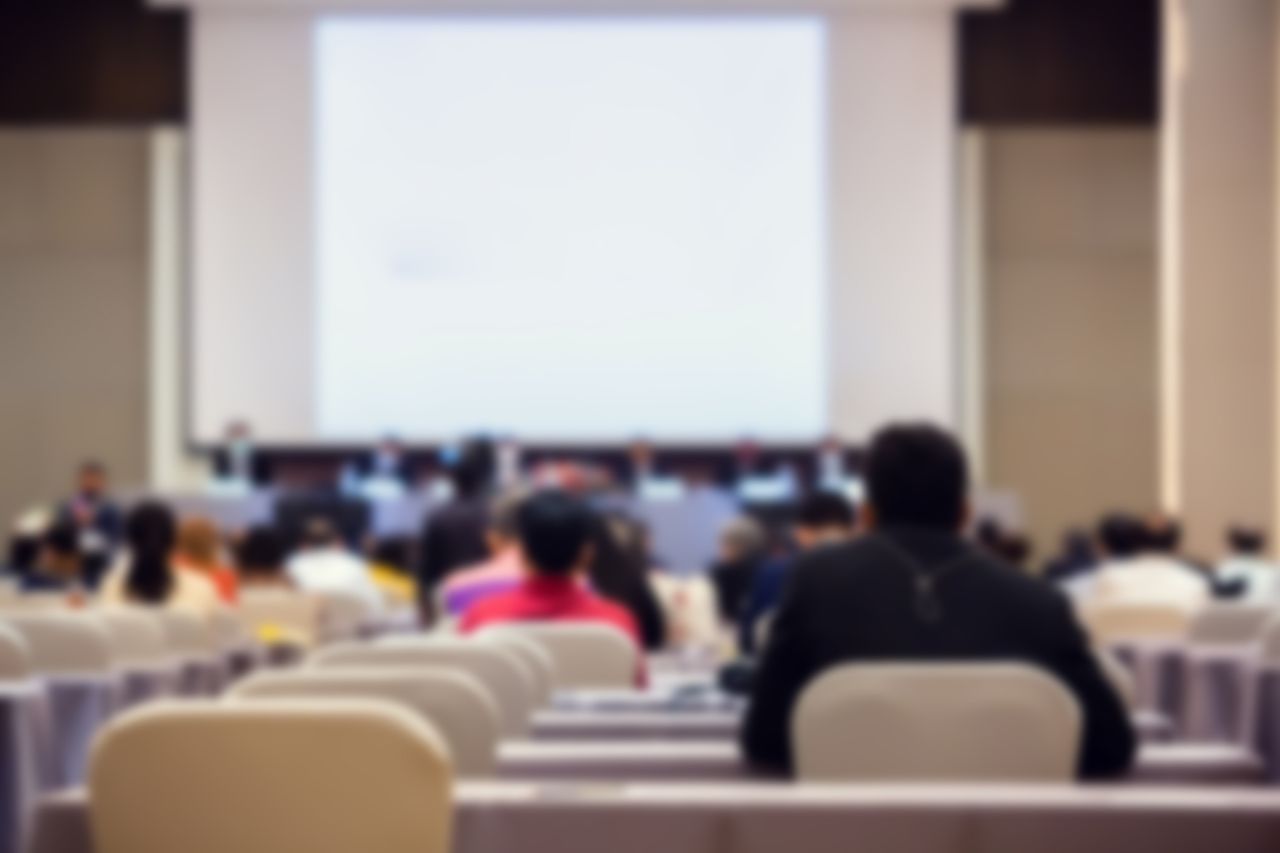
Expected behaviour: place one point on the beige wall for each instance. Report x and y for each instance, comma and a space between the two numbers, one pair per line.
73, 308
1070, 348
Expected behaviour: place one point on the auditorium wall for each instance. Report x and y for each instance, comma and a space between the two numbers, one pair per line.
1070, 355
74, 253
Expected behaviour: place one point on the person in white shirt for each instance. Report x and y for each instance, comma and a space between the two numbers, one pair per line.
326, 565
1245, 574
1142, 567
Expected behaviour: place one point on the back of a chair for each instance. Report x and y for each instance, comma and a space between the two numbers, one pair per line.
187, 634
943, 722
35, 602
1119, 677
296, 614
228, 632
1123, 621
346, 614
587, 656
1269, 643
266, 777
498, 669
1230, 624
15, 655
536, 659
63, 643
456, 704
137, 635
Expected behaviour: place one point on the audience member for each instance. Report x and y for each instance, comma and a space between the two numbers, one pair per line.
238, 461
501, 572
824, 518
325, 564
617, 574
1075, 558
454, 534
912, 589
97, 519
555, 533
58, 566
743, 549
148, 576
261, 560
1140, 568
200, 550
388, 462
1246, 573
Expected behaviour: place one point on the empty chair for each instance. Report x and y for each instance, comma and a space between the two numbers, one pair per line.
535, 658
1129, 621
232, 641
498, 669
281, 615
191, 640
63, 643
20, 756
1230, 624
456, 704
586, 656
265, 777
140, 651
15, 655
990, 722
347, 615
35, 602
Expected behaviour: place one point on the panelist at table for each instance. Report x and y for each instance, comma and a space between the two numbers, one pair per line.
388, 462
238, 461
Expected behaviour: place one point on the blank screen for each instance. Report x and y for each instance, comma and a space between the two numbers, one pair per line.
571, 229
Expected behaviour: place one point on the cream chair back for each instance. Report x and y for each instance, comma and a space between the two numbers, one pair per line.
265, 777
587, 656
63, 643
456, 704
936, 722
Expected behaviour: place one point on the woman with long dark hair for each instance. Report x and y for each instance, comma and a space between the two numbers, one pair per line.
619, 574
147, 576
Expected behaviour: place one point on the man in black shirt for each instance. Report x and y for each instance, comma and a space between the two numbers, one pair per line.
911, 589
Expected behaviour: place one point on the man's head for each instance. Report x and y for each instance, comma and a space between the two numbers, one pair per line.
474, 470
1121, 535
555, 533
320, 533
91, 479
391, 446
1163, 533
742, 538
262, 553
1246, 541
239, 432
916, 476
823, 517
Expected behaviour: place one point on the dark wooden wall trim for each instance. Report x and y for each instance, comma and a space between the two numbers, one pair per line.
1037, 61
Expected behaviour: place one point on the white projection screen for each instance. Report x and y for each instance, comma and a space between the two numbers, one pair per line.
569, 228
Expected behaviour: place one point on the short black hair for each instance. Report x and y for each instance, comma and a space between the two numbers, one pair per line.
474, 471
554, 529
1121, 534
917, 475
1164, 534
825, 509
261, 552
1246, 540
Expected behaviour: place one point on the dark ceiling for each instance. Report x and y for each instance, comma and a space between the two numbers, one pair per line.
1036, 62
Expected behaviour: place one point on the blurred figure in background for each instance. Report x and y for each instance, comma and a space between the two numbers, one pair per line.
743, 549
59, 566
96, 518
501, 572
260, 560
325, 564
1245, 573
1138, 569
911, 588
618, 574
200, 550
454, 534
148, 576
1075, 558
1164, 538
824, 518
238, 461
388, 462
557, 544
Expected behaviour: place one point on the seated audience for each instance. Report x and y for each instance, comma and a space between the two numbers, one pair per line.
147, 575
58, 565
1141, 568
1245, 573
743, 549
96, 518
238, 460
501, 572
326, 564
618, 574
1075, 558
556, 535
912, 589
200, 551
260, 560
454, 534
824, 518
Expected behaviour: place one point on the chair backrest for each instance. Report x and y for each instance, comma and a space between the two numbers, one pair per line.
137, 635
936, 722
1119, 621
689, 604
228, 632
346, 614
587, 656
63, 643
15, 655
296, 613
498, 669
265, 777
1230, 623
187, 633
456, 704
536, 659
1270, 643
35, 602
